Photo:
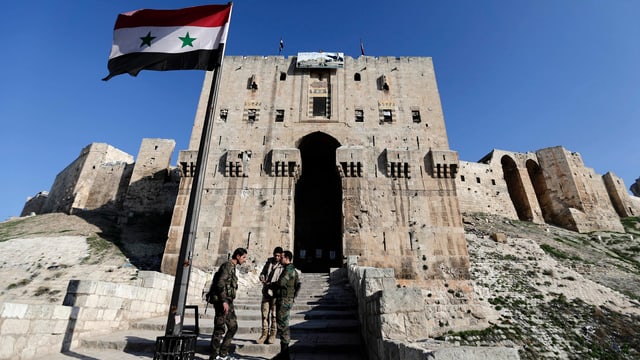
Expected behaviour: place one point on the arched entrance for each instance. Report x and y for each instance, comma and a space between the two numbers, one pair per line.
516, 188
318, 206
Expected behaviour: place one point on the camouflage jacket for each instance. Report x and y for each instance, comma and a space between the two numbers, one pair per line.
288, 284
226, 283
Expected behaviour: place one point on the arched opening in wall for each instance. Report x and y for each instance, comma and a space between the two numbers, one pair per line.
516, 188
318, 206
540, 187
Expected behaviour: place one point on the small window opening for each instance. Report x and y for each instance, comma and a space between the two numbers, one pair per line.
283, 76
223, 114
356, 77
462, 178
359, 115
319, 106
478, 180
251, 115
279, 115
415, 115
493, 181
386, 116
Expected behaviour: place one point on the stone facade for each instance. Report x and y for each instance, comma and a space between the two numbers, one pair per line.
327, 162
551, 185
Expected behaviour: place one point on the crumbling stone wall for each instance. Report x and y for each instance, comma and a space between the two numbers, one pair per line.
551, 185
91, 181
153, 185
35, 204
620, 198
578, 195
635, 187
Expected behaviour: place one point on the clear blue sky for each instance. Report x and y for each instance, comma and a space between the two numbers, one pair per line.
514, 75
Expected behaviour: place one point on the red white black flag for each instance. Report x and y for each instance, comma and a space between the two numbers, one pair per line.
182, 39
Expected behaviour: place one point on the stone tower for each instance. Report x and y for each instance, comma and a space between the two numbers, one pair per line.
329, 156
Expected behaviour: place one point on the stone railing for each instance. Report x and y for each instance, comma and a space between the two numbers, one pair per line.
90, 308
398, 322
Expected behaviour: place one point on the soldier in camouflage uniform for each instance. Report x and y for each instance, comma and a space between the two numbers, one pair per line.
286, 290
224, 286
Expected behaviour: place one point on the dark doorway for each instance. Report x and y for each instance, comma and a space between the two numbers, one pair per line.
318, 206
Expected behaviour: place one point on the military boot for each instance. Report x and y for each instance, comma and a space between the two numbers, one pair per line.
272, 335
263, 337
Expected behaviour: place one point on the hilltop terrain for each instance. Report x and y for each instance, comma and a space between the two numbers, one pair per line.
558, 294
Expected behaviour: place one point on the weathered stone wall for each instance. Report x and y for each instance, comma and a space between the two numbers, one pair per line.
153, 185
399, 202
35, 204
481, 188
395, 321
577, 194
90, 308
551, 185
89, 182
620, 198
635, 187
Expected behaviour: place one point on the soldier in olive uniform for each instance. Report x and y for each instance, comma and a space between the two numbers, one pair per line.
286, 290
224, 286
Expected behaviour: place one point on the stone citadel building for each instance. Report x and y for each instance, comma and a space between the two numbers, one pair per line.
332, 157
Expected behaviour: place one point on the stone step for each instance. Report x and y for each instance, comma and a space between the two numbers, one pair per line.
297, 325
324, 326
244, 345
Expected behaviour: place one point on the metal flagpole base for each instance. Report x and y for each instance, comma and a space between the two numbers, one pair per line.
175, 347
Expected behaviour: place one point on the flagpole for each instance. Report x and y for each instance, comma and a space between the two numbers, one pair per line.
175, 319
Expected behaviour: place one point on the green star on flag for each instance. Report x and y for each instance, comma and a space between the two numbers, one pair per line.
187, 40
147, 39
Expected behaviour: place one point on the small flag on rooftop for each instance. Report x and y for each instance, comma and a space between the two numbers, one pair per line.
361, 47
281, 46
181, 39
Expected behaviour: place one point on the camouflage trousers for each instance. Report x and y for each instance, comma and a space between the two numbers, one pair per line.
283, 308
221, 340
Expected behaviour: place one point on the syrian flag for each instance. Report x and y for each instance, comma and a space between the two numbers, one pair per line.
182, 39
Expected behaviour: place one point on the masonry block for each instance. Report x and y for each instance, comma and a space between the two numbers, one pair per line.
15, 326
16, 311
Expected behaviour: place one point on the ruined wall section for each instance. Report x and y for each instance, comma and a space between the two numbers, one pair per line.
34, 204
620, 198
481, 188
578, 196
385, 111
100, 165
153, 185
635, 187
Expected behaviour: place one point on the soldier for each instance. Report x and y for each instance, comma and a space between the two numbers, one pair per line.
286, 290
224, 286
270, 273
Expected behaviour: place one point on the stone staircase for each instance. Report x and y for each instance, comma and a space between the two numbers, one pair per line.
324, 325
